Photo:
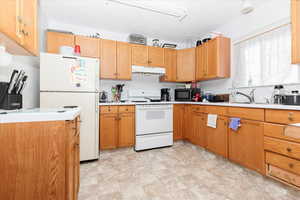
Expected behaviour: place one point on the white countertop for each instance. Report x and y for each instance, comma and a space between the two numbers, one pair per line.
38, 115
265, 106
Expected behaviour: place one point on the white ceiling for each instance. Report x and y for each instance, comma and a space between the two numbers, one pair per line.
203, 16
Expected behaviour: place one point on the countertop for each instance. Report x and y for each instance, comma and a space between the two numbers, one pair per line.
242, 105
38, 115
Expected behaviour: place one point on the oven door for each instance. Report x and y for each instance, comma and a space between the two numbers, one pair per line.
151, 119
183, 95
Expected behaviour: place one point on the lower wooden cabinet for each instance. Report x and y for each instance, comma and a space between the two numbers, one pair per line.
39, 160
198, 124
117, 127
246, 145
178, 125
217, 138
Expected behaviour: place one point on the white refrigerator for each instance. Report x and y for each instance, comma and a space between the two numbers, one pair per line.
73, 81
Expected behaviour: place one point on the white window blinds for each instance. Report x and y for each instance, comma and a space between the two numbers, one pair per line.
265, 60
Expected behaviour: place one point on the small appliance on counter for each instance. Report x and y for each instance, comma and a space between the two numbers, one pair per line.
165, 94
291, 99
103, 97
11, 92
186, 94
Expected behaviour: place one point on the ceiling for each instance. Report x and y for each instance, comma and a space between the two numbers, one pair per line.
203, 16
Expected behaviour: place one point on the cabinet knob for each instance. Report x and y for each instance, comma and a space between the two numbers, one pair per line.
289, 149
291, 165
291, 116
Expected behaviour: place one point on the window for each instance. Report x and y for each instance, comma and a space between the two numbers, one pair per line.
265, 60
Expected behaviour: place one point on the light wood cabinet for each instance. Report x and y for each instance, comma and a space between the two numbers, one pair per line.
186, 59
198, 134
124, 61
295, 18
156, 56
147, 56
246, 145
55, 40
44, 163
117, 127
108, 69
140, 55
170, 64
90, 47
217, 138
213, 59
178, 124
19, 21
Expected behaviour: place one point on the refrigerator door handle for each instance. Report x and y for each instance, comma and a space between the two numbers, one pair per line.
69, 57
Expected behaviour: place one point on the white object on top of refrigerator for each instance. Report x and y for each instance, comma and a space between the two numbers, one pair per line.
73, 81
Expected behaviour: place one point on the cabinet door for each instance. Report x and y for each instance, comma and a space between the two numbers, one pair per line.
178, 120
217, 138
55, 40
170, 56
140, 55
108, 131
108, 66
246, 145
29, 20
126, 130
201, 67
124, 64
156, 56
212, 59
186, 62
8, 18
77, 166
90, 47
295, 31
198, 129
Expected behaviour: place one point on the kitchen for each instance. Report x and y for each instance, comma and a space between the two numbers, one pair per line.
102, 109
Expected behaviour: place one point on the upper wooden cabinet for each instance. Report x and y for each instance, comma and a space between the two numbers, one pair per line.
108, 66
124, 64
19, 21
186, 65
170, 65
90, 47
55, 40
147, 56
213, 59
140, 55
295, 31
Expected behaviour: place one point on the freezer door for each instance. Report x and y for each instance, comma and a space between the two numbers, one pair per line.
68, 73
89, 128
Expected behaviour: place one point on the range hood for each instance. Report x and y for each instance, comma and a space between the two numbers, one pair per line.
148, 70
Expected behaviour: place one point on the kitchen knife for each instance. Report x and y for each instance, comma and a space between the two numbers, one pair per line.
20, 91
12, 81
18, 81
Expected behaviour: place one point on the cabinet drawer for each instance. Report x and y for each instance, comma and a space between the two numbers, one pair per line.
282, 132
216, 110
108, 109
283, 175
247, 113
283, 116
290, 149
126, 109
283, 162
198, 109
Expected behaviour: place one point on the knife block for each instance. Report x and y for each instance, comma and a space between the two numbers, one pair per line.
12, 102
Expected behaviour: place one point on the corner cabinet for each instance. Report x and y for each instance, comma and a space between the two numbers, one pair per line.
213, 59
295, 18
117, 127
19, 21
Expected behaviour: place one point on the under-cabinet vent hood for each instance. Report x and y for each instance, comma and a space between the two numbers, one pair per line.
148, 70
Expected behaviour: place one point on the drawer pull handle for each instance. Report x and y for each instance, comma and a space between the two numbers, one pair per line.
289, 150
290, 116
291, 165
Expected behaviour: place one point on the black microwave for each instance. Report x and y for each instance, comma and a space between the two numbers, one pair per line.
186, 94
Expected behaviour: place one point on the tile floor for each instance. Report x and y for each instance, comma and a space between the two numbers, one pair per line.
183, 172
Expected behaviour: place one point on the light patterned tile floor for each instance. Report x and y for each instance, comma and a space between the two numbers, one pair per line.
183, 172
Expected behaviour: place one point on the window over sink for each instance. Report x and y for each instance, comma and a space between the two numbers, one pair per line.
265, 60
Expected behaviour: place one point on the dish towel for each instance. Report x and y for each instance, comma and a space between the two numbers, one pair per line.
235, 123
212, 120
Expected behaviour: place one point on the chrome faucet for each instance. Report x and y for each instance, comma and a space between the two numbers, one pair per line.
251, 96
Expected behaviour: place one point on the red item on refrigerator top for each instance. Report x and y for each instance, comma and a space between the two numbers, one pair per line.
77, 50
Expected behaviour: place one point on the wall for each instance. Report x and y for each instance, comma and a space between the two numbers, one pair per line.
269, 15
31, 66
